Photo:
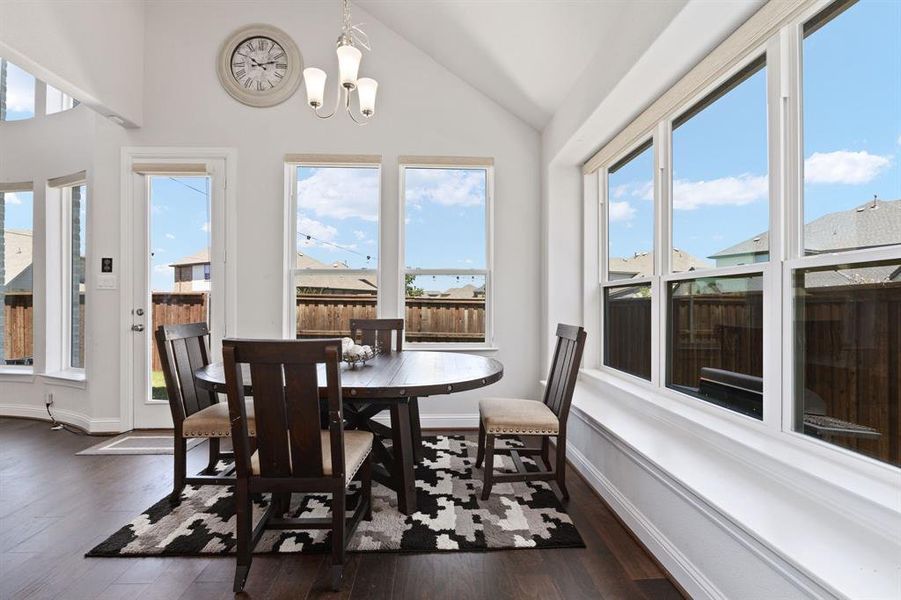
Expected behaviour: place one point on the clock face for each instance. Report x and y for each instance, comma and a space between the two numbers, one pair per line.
259, 64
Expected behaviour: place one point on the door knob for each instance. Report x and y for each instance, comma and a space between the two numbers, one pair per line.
138, 328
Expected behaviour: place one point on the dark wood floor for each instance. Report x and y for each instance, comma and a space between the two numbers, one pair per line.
54, 506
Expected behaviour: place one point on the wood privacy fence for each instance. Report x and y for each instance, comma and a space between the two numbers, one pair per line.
850, 337
18, 342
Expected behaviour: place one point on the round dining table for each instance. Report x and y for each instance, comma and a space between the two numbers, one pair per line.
394, 382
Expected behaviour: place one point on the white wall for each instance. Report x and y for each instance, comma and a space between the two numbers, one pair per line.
90, 49
423, 109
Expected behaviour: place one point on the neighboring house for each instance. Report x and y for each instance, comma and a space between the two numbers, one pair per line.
17, 260
641, 264
192, 274
876, 223
460, 293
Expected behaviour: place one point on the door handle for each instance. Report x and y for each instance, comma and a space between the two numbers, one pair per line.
137, 328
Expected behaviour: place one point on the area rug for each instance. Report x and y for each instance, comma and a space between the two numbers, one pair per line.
136, 442
451, 516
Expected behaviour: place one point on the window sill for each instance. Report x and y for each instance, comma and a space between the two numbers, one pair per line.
461, 347
17, 374
69, 378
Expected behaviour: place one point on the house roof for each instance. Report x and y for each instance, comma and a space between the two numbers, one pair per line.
875, 223
18, 247
463, 292
641, 264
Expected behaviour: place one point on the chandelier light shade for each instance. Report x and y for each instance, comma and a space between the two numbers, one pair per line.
349, 59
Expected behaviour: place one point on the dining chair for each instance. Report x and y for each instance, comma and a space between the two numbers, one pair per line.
379, 332
293, 454
532, 418
196, 413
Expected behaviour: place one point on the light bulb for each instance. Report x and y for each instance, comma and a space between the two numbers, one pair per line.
366, 90
314, 80
349, 65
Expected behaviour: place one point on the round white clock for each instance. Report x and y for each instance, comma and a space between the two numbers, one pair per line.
260, 65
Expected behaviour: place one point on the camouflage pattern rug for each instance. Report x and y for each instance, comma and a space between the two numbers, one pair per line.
451, 515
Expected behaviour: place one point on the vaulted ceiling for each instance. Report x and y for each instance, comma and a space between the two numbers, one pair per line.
527, 55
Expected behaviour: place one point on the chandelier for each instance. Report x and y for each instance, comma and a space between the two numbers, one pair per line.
349, 57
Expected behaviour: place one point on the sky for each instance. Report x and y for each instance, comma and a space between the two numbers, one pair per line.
179, 224
852, 143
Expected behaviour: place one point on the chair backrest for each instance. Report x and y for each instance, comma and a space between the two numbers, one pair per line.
564, 369
372, 331
285, 376
183, 349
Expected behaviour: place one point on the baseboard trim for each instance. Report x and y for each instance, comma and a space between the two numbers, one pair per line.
75, 419
680, 566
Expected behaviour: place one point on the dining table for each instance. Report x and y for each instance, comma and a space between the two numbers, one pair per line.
392, 382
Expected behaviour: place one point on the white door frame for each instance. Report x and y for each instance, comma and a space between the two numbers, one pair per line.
223, 234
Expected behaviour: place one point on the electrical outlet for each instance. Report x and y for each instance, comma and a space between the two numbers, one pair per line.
48, 398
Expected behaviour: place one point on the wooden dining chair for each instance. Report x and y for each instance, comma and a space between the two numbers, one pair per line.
293, 455
533, 418
379, 332
196, 413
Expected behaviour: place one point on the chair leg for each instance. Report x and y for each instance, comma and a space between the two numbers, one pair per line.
480, 453
561, 466
214, 457
545, 451
180, 461
281, 503
338, 540
244, 533
489, 466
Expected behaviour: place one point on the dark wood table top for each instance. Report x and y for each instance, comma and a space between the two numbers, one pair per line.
396, 375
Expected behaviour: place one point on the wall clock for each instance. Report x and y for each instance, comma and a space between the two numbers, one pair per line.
260, 65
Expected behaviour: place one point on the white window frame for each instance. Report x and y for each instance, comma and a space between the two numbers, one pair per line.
65, 300
782, 44
23, 370
292, 163
448, 163
40, 98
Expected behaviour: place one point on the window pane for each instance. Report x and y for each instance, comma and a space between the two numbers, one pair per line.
852, 123
326, 302
16, 93
720, 184
715, 341
445, 218
630, 216
78, 242
179, 259
627, 329
16, 300
338, 217
445, 308
848, 357
58, 101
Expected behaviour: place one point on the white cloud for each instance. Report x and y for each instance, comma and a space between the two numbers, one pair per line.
341, 193
641, 189
725, 191
360, 235
19, 90
165, 269
205, 227
843, 166
315, 229
447, 187
621, 211
10, 198
899, 139
170, 236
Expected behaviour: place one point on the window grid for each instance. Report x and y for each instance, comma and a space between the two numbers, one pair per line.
785, 160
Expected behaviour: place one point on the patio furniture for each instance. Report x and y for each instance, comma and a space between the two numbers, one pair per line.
293, 455
196, 412
392, 378
533, 418
378, 333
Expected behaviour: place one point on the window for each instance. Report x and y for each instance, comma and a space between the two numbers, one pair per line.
16, 92
206, 272
58, 101
336, 256
852, 176
629, 210
720, 186
16, 278
804, 334
446, 257
75, 199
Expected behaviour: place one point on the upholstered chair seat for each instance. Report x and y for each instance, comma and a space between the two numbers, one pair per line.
213, 422
514, 416
357, 446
